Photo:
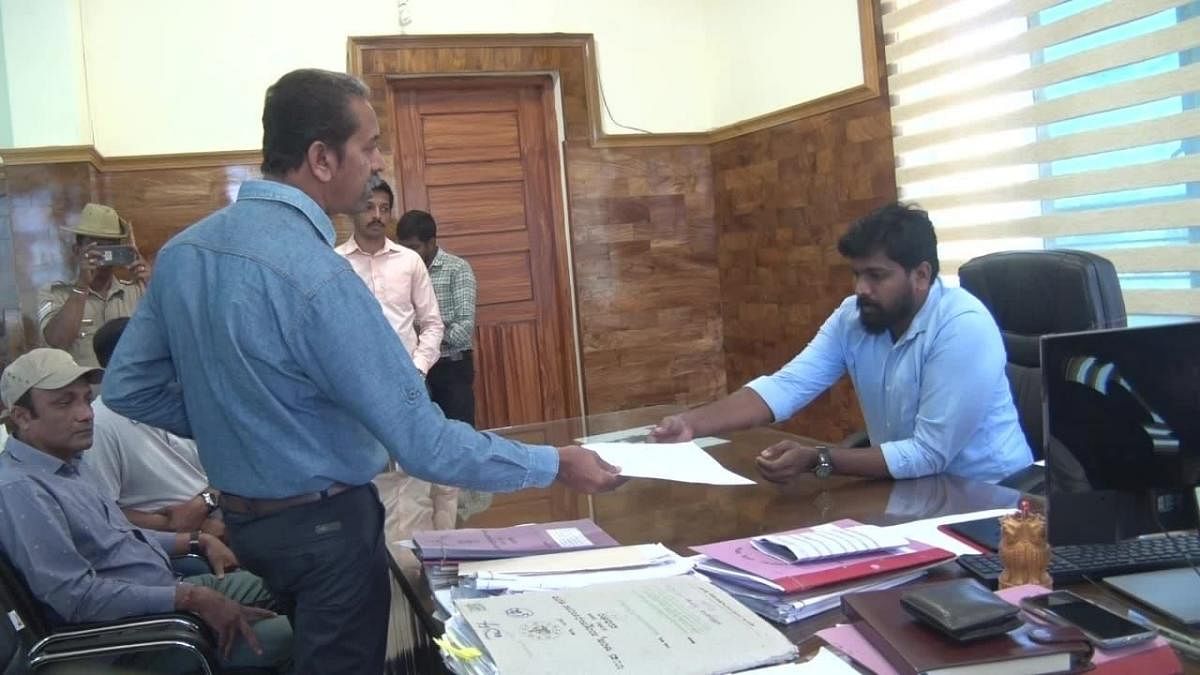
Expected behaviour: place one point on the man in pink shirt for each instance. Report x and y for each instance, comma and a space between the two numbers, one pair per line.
397, 278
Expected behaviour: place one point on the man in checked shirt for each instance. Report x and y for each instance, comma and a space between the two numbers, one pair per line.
452, 379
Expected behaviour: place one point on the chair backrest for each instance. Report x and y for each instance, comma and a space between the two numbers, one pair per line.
1036, 293
23, 622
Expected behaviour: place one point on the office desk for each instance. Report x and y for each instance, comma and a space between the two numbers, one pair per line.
681, 515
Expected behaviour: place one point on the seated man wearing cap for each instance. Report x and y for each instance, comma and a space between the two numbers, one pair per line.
70, 312
80, 556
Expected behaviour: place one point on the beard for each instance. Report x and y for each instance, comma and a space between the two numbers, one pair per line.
876, 318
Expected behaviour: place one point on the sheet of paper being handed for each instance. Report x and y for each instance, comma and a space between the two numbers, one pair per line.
680, 462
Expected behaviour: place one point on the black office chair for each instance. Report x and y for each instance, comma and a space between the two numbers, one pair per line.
1036, 293
28, 644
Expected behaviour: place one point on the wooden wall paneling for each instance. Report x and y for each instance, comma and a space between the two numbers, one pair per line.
646, 280
783, 196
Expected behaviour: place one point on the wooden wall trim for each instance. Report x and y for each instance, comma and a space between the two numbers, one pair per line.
74, 154
51, 154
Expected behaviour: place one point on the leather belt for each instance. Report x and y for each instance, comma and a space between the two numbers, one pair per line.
262, 507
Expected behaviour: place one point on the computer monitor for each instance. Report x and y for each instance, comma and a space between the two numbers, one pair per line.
1122, 432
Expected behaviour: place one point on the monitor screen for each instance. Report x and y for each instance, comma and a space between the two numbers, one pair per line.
1122, 431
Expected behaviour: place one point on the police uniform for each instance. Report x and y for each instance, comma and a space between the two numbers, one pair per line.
121, 300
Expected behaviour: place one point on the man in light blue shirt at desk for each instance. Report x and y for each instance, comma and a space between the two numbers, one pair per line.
926, 361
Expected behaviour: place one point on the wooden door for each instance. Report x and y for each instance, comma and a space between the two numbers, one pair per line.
481, 155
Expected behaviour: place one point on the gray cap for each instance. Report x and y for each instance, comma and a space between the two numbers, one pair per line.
42, 368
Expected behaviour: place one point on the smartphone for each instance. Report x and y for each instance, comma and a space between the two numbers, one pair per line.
116, 256
1103, 628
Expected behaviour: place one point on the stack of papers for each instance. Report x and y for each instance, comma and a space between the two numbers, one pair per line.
577, 569
821, 543
508, 542
785, 591
793, 607
442, 551
681, 625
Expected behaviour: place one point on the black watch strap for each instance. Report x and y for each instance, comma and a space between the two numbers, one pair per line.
194, 544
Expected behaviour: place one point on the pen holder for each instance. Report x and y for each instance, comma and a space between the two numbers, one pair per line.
1024, 549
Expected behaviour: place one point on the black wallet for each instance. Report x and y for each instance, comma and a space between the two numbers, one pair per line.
962, 609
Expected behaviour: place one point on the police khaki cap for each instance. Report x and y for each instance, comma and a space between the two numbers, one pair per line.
102, 222
42, 368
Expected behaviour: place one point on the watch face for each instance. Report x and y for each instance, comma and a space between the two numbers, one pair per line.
824, 467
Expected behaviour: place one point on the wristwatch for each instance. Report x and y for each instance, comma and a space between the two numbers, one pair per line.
194, 544
824, 466
209, 500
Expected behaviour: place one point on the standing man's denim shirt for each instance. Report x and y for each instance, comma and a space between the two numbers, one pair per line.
259, 341
77, 552
936, 401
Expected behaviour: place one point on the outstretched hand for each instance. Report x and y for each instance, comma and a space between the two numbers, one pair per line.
583, 470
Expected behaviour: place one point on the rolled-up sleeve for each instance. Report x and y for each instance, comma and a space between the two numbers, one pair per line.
807, 375
965, 359
381, 388
55, 571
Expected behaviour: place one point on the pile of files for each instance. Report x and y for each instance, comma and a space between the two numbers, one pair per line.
681, 625
793, 575
441, 551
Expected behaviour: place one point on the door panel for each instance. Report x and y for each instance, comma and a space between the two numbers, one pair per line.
471, 137
474, 208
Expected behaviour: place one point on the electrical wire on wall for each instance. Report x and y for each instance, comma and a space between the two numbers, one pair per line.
402, 18
608, 112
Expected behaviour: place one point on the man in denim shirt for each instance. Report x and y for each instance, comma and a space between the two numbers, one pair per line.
258, 340
927, 363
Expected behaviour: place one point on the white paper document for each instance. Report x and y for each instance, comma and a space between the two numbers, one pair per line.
523, 583
821, 543
616, 557
640, 435
681, 462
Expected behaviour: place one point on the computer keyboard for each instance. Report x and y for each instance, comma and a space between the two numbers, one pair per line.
1070, 564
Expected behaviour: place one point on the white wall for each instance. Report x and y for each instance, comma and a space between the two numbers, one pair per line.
43, 60
189, 75
772, 54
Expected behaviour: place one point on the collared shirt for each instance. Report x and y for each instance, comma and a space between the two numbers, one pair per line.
936, 401
398, 280
258, 340
120, 300
454, 284
140, 467
79, 554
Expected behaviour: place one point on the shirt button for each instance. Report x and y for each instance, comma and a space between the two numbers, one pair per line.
412, 395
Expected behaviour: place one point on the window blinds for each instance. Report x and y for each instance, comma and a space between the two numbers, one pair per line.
1055, 124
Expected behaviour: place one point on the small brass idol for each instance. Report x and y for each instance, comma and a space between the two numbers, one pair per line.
1024, 549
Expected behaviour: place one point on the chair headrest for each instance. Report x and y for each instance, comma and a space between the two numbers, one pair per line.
1035, 293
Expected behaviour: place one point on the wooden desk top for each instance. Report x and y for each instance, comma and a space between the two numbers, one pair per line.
681, 515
